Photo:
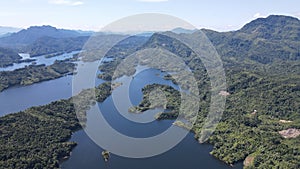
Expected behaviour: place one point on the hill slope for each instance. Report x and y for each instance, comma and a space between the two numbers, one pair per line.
8, 57
264, 40
27, 36
262, 66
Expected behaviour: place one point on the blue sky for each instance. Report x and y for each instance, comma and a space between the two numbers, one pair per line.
221, 15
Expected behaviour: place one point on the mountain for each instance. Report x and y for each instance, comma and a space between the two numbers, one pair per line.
183, 30
274, 27
263, 40
5, 31
27, 36
85, 33
48, 45
262, 66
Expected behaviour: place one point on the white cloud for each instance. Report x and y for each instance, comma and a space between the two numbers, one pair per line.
152, 0
78, 3
258, 15
66, 2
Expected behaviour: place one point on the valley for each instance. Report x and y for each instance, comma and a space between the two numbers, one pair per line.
262, 66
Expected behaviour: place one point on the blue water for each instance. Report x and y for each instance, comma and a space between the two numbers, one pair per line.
38, 60
16, 99
188, 154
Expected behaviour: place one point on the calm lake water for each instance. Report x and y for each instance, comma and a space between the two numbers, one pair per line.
188, 154
38, 60
16, 99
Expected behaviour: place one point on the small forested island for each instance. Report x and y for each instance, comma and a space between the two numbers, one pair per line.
173, 102
105, 154
34, 74
38, 137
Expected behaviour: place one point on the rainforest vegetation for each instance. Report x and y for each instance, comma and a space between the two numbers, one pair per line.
262, 66
34, 74
39, 136
8, 57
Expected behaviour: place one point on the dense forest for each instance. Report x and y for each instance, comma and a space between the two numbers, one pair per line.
8, 57
50, 45
34, 74
38, 137
262, 66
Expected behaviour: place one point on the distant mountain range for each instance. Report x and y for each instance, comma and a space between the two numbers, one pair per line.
252, 42
262, 66
17, 38
6, 31
183, 30
27, 36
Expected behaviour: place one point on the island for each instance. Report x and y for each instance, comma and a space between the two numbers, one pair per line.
35, 73
105, 154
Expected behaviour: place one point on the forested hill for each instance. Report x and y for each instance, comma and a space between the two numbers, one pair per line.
262, 66
27, 36
41, 40
261, 121
48, 45
8, 57
263, 40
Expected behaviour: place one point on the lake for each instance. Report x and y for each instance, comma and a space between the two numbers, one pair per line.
188, 154
38, 60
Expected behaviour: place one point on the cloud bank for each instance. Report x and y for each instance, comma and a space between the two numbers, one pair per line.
66, 2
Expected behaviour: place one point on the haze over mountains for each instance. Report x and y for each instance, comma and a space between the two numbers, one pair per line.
27, 36
252, 42
262, 66
6, 31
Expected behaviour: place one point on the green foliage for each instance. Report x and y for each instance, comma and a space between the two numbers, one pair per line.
264, 41
38, 137
118, 53
50, 45
103, 91
262, 66
8, 57
171, 95
263, 74
34, 74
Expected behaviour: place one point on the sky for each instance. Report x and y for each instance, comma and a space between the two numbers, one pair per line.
219, 15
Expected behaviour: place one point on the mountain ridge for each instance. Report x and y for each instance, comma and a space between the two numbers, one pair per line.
31, 34
256, 38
